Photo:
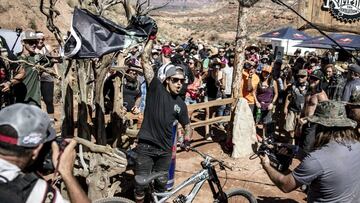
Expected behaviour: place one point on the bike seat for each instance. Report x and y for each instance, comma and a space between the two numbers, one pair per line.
145, 180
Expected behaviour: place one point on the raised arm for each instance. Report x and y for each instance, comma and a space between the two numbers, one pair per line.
145, 62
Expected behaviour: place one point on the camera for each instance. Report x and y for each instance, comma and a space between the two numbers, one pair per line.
44, 163
279, 161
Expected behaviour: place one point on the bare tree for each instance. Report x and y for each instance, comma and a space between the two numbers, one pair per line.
241, 41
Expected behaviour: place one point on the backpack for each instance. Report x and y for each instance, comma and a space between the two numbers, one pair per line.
20, 190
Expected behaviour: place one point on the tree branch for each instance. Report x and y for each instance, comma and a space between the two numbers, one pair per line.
38, 67
51, 13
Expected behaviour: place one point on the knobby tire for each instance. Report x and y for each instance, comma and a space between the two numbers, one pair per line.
238, 192
113, 200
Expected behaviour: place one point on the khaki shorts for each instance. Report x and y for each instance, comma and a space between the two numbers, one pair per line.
291, 121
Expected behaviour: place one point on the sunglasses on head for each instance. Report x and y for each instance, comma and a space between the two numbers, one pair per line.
176, 80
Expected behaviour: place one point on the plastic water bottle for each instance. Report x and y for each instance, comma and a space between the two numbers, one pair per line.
258, 114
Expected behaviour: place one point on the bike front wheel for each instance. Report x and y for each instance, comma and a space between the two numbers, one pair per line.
113, 200
240, 196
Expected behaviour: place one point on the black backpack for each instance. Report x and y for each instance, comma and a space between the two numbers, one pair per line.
19, 189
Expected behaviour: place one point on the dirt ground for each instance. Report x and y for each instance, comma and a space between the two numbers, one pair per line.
247, 174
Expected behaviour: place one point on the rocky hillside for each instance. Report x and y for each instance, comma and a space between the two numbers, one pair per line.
211, 20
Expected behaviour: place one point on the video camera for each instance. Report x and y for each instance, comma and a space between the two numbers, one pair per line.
279, 161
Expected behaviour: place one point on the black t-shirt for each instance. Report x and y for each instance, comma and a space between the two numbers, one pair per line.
162, 112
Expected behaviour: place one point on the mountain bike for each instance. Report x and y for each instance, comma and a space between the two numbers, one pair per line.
207, 173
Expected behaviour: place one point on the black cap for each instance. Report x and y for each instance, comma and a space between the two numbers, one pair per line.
317, 74
355, 68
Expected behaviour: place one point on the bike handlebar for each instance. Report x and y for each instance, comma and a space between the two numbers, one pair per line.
212, 159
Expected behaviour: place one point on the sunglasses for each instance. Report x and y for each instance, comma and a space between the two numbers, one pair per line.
30, 42
132, 72
176, 80
302, 76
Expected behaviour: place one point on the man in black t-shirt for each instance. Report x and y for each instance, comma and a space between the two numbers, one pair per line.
164, 108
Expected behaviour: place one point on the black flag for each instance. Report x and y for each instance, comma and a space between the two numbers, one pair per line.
93, 36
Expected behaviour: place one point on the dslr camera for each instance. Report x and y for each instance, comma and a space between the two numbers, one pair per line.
44, 163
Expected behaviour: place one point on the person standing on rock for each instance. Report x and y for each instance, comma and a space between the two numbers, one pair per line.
164, 108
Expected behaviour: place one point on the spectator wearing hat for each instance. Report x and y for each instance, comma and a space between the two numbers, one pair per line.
297, 54
264, 61
331, 169
266, 94
294, 103
29, 90
164, 109
253, 53
315, 95
249, 83
353, 84
215, 86
24, 130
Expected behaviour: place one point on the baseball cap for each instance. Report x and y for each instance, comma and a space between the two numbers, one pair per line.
302, 72
173, 70
166, 50
355, 68
29, 35
32, 125
317, 74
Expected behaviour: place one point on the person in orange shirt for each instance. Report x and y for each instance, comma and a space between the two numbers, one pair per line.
249, 83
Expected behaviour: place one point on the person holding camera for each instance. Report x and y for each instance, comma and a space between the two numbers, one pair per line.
331, 170
24, 130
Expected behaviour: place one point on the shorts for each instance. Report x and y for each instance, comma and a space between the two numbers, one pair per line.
291, 121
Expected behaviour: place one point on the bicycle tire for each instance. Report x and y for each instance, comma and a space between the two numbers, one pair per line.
113, 200
239, 192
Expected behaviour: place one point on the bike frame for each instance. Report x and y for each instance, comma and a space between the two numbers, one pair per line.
208, 173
